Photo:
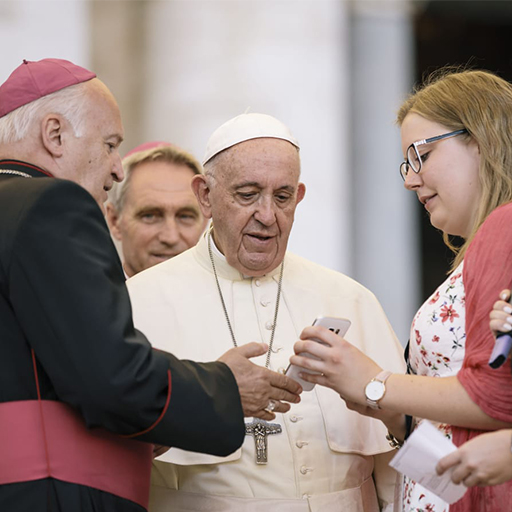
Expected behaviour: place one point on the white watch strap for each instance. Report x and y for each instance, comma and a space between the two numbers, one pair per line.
381, 377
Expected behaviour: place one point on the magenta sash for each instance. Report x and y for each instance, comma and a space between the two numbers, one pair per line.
41, 439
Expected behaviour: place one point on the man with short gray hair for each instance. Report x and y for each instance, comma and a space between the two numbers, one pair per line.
153, 212
239, 284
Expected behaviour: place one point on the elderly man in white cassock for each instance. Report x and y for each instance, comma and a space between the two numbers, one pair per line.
239, 285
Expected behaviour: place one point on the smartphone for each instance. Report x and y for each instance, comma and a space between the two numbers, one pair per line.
338, 326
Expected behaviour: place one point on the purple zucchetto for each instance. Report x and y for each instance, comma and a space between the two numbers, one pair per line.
146, 146
34, 79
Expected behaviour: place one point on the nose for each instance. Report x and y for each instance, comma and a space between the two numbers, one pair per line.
117, 168
265, 211
413, 180
169, 233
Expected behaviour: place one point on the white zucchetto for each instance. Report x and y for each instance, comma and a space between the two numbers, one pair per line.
246, 127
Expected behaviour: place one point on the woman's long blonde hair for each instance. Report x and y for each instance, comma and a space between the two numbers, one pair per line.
481, 102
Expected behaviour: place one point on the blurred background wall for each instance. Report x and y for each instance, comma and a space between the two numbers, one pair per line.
335, 71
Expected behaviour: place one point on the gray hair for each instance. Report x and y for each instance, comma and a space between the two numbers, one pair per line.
68, 102
212, 164
169, 154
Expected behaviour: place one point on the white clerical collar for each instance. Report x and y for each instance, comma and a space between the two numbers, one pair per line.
216, 251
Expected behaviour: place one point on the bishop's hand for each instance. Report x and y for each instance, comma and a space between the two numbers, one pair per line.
259, 387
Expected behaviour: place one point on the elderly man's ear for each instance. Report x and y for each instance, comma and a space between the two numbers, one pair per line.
301, 192
202, 192
53, 132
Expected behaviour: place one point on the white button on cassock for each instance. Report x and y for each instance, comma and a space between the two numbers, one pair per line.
269, 325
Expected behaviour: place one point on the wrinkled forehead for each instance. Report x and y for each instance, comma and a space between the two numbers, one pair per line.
162, 175
258, 158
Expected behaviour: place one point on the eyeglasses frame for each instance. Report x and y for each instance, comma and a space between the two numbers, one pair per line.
406, 164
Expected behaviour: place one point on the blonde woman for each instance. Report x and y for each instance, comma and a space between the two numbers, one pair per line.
456, 133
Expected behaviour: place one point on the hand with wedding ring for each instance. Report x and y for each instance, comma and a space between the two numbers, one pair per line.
263, 393
270, 407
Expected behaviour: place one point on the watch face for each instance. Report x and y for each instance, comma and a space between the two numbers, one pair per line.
375, 390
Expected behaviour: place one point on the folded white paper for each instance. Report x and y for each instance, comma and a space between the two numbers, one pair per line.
418, 457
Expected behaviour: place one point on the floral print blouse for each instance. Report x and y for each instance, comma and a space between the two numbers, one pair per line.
436, 349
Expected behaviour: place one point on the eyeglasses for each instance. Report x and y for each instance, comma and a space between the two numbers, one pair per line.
413, 160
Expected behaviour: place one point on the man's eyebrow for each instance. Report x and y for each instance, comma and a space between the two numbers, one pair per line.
258, 185
148, 209
189, 208
247, 184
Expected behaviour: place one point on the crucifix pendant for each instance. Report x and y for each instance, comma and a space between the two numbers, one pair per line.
261, 430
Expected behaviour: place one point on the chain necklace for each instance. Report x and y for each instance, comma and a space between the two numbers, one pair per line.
16, 173
274, 325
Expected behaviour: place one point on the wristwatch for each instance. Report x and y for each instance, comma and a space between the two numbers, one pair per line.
376, 389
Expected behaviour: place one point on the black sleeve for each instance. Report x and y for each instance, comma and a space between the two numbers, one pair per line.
68, 292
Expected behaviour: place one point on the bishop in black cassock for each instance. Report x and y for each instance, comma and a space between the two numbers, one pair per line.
82, 393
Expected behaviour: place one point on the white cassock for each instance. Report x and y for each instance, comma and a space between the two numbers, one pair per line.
327, 458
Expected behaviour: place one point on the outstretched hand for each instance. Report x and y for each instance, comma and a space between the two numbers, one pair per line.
342, 367
260, 386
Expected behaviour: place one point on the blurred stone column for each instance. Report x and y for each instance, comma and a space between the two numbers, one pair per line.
118, 56
386, 233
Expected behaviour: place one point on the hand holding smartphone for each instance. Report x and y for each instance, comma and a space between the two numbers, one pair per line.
337, 325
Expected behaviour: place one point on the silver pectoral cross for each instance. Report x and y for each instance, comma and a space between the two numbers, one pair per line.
261, 430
